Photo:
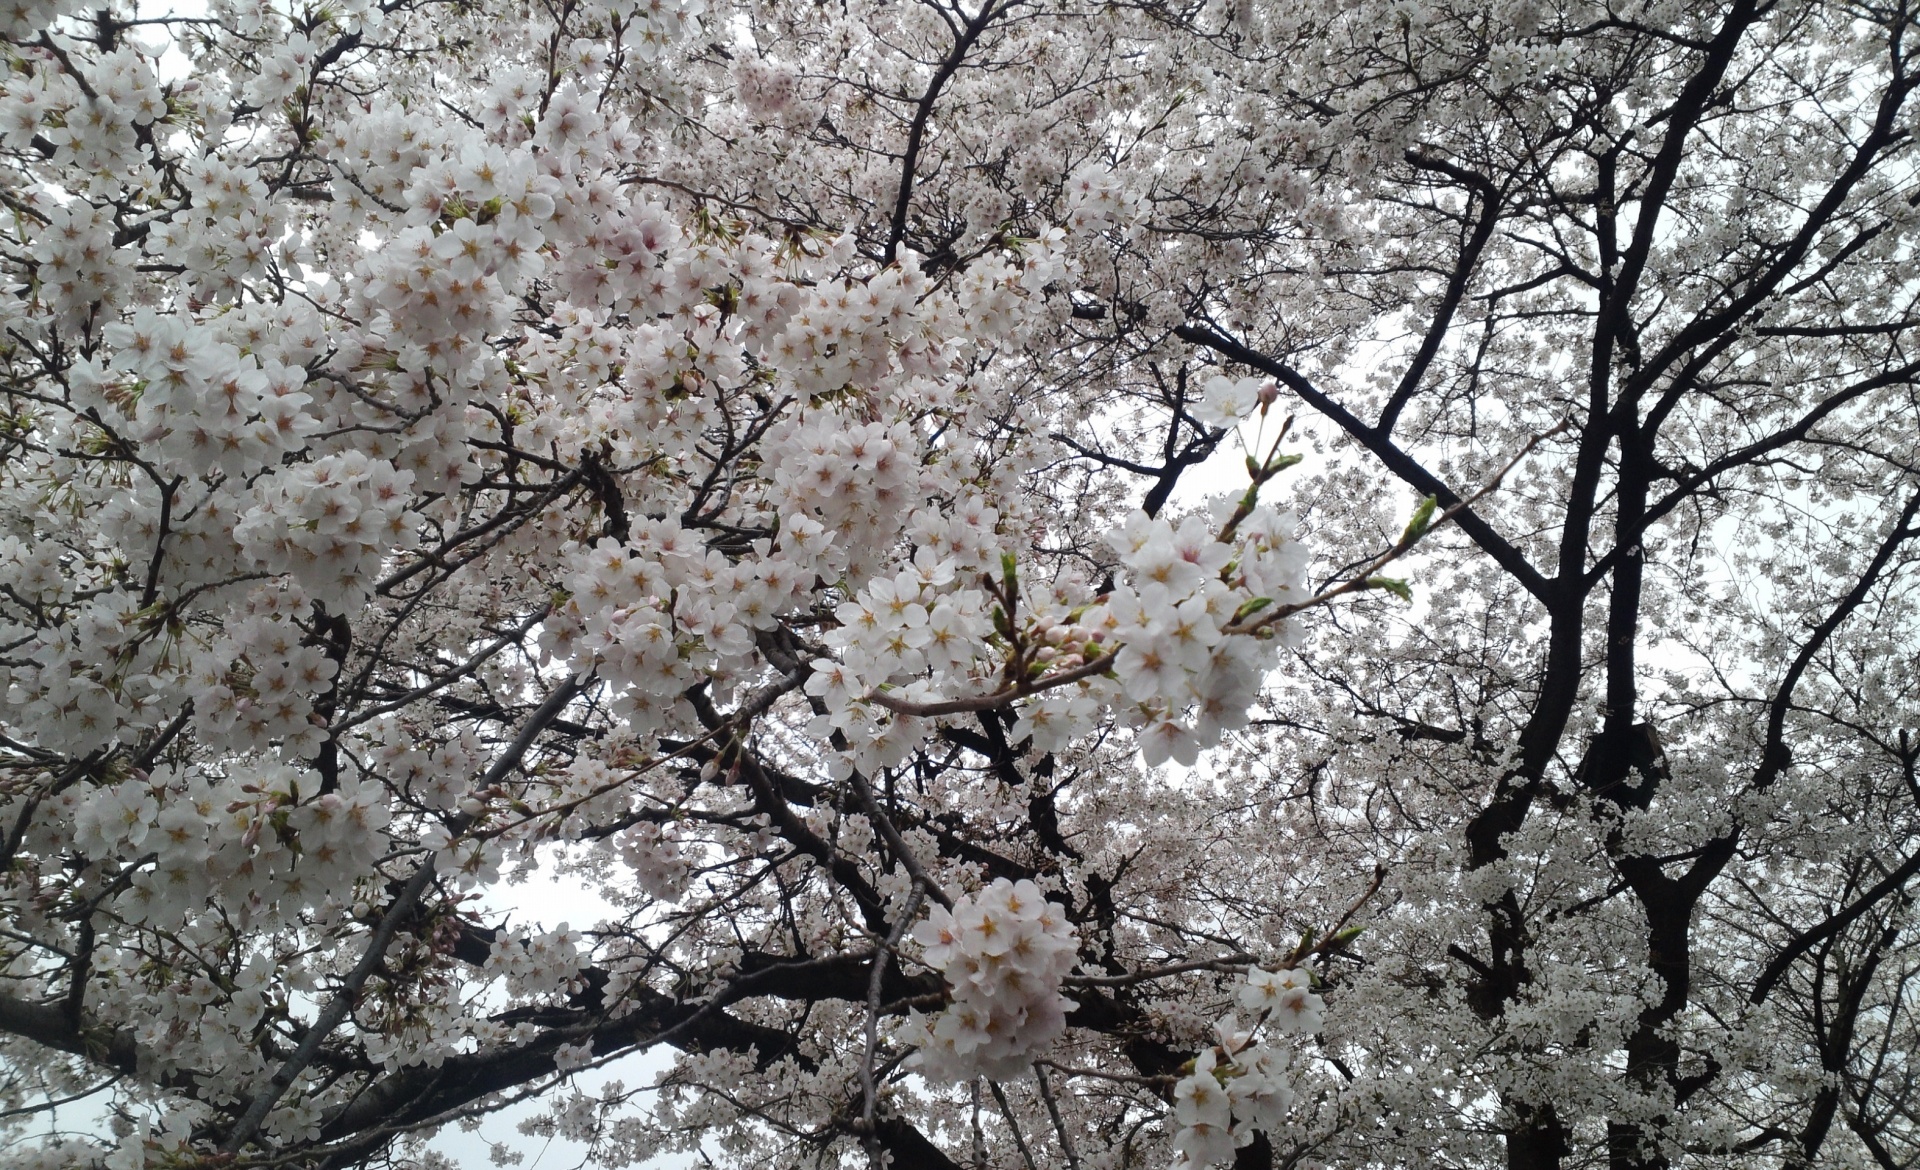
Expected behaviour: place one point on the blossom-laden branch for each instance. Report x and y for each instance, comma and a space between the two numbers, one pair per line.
1254, 616
344, 997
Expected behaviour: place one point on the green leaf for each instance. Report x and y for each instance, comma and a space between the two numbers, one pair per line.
1282, 462
1394, 585
1249, 608
1422, 520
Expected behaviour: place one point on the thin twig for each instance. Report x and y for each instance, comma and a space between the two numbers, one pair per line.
47, 1106
1013, 1126
1228, 964
997, 699
863, 792
335, 1011
1155, 1083
1053, 1111
1251, 624
1364, 578
869, 1091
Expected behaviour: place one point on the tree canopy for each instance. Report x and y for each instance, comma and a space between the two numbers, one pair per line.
1093, 585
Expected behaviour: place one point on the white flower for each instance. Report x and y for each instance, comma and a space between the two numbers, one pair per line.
1202, 1108
1165, 740
1199, 1098
1298, 1010
1225, 401
1264, 988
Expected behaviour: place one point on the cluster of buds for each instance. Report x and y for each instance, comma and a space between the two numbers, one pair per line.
1064, 647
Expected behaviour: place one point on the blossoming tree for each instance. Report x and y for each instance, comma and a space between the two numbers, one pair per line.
762, 464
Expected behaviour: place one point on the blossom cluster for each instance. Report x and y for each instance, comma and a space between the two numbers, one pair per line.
258, 683
1003, 952
200, 402
657, 612
269, 841
329, 524
1241, 1087
1187, 649
538, 964
1174, 620
653, 853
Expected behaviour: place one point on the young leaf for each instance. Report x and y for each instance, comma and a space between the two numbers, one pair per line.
1422, 520
1394, 585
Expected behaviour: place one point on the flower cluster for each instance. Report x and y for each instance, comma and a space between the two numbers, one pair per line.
657, 612
655, 856
329, 524
900, 627
767, 89
1178, 620
76, 257
536, 965
1284, 999
1094, 200
1182, 628
259, 681
270, 841
200, 404
1241, 1087
851, 483
1003, 952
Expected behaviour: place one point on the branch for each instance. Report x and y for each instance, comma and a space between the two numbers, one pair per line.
1397, 461
1775, 756
924, 112
1013, 1126
869, 1092
343, 999
1022, 688
1364, 579
1002, 698
1053, 1111
1801, 943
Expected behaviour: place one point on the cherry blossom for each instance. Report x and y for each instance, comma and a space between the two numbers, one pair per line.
1010, 583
